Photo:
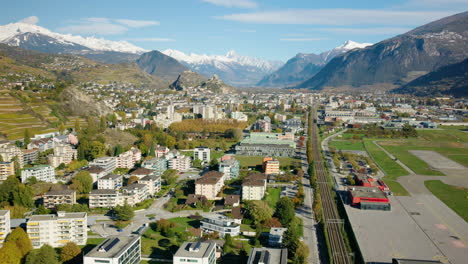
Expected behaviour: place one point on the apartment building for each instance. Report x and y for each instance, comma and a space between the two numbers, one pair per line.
30, 155
129, 158
8, 151
202, 153
96, 172
209, 184
141, 172
41, 172
268, 256
271, 166
57, 230
109, 164
116, 250
254, 187
42, 144
152, 182
53, 198
195, 252
221, 224
134, 193
62, 154
110, 181
104, 198
230, 167
6, 169
157, 165
180, 163
4, 225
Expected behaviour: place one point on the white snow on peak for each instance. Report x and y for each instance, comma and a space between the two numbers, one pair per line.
218, 61
349, 45
11, 30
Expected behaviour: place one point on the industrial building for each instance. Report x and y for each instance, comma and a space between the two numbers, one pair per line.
267, 144
369, 198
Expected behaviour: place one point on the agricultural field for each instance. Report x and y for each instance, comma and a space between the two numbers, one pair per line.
454, 197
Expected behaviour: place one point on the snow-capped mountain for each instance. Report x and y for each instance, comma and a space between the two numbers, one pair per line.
305, 65
13, 34
233, 68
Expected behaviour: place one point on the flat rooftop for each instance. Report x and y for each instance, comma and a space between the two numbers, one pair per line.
367, 192
112, 247
268, 256
50, 217
195, 249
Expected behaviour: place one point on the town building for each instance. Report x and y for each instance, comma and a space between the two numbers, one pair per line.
104, 198
268, 256
53, 198
96, 172
30, 155
267, 144
157, 165
180, 163
63, 153
109, 164
262, 126
7, 168
209, 184
271, 166
232, 200
195, 252
4, 225
369, 198
41, 172
221, 224
9, 151
42, 144
116, 250
230, 167
129, 158
141, 172
202, 153
134, 193
239, 116
152, 182
57, 230
254, 187
110, 181
275, 237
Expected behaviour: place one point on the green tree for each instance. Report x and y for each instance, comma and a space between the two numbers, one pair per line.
123, 213
301, 254
103, 123
41, 210
83, 182
23, 196
44, 255
19, 237
10, 253
27, 137
170, 176
197, 164
285, 211
17, 166
70, 254
118, 150
152, 152
259, 211
77, 125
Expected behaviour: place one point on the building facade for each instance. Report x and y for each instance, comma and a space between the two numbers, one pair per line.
180, 163
6, 169
221, 224
41, 172
152, 182
116, 250
110, 181
202, 153
195, 252
230, 167
271, 166
57, 230
254, 187
4, 225
109, 164
209, 184
104, 198
53, 198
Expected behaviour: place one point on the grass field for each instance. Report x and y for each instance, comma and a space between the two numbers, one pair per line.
273, 196
252, 161
351, 136
454, 197
391, 169
347, 145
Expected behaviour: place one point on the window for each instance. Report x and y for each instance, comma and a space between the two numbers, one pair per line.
101, 261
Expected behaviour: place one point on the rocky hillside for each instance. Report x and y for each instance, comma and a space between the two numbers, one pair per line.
304, 66
447, 80
187, 80
399, 60
160, 65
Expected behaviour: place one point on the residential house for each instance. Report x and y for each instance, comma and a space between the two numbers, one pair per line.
104, 198
96, 172
271, 166
202, 153
157, 165
209, 184
109, 164
110, 181
230, 167
153, 183
9, 151
141, 172
41, 172
53, 198
135, 193
180, 163
232, 200
30, 155
221, 224
254, 186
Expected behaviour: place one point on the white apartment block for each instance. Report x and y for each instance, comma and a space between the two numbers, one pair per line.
202, 153
104, 198
195, 252
221, 224
4, 225
116, 250
62, 154
53, 198
110, 181
209, 185
239, 116
254, 187
134, 193
109, 164
129, 158
6, 169
152, 182
9, 151
180, 163
41, 172
57, 230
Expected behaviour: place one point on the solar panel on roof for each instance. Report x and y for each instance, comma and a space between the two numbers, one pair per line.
109, 244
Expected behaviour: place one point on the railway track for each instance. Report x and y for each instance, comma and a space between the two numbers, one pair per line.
333, 223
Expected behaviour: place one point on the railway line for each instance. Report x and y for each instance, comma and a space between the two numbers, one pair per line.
331, 218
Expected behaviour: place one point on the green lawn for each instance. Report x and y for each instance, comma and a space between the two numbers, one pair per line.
454, 197
347, 145
252, 161
183, 223
273, 196
351, 136
414, 163
391, 169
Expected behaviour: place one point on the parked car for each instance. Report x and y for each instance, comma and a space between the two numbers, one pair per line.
119, 230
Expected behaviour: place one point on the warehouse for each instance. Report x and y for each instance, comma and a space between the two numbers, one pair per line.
369, 198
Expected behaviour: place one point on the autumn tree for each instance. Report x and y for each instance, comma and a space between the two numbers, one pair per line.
132, 179
82, 182
10, 253
19, 237
44, 255
259, 211
123, 212
70, 254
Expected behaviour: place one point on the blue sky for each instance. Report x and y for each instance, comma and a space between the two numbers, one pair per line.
272, 29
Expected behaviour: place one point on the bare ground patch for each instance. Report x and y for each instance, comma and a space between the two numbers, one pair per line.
436, 160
